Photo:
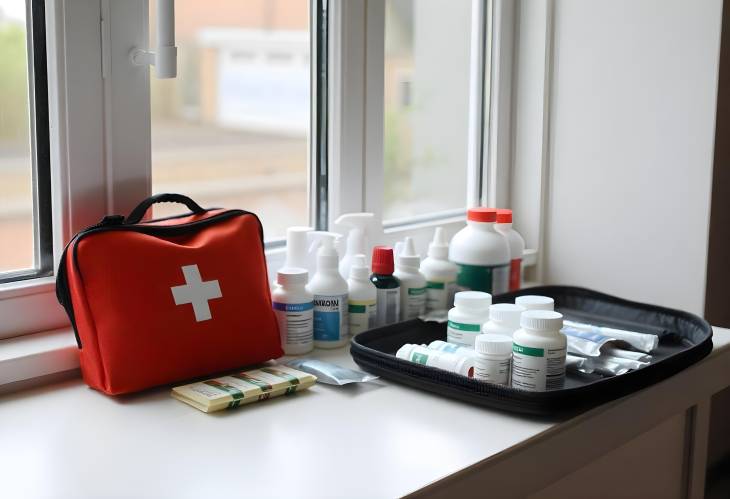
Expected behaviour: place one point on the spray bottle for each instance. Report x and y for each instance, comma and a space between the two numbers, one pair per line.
330, 297
362, 297
440, 274
360, 226
412, 282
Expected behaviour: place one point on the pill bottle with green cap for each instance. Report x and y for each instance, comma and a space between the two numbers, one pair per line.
493, 359
470, 312
481, 253
538, 352
535, 302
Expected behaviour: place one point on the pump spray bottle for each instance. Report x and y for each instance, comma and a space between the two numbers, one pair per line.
412, 282
330, 297
361, 225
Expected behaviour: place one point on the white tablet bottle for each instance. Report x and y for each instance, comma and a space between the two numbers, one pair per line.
421, 354
504, 318
535, 302
470, 312
493, 359
538, 352
293, 307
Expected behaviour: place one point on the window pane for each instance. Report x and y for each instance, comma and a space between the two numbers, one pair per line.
231, 130
16, 167
427, 71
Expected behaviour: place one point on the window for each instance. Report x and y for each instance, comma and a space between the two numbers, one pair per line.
232, 128
427, 78
24, 164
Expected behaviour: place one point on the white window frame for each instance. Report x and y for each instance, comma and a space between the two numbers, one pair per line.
100, 145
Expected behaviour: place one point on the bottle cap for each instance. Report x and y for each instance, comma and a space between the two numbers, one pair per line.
481, 214
473, 300
506, 313
408, 257
535, 302
291, 275
542, 320
504, 216
439, 247
493, 344
382, 260
327, 257
359, 268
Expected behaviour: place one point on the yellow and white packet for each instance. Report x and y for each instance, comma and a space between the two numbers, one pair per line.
228, 392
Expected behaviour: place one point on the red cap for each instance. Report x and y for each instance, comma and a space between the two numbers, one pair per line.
481, 214
382, 260
504, 216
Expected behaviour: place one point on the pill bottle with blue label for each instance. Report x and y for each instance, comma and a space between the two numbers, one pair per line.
331, 323
481, 253
470, 313
294, 309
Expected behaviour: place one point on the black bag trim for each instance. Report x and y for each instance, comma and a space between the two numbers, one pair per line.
687, 338
117, 223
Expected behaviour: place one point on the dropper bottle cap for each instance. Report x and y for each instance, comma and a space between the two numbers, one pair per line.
359, 268
439, 247
408, 257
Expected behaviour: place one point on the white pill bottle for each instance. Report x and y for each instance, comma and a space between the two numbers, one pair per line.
481, 253
504, 318
470, 312
538, 352
294, 309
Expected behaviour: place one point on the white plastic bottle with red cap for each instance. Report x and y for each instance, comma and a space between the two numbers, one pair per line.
516, 247
481, 253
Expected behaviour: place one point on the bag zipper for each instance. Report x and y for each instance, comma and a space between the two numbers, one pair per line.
116, 223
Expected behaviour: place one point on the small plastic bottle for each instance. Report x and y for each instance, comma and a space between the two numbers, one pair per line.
470, 313
481, 253
330, 299
516, 247
361, 298
412, 282
538, 352
440, 274
388, 286
420, 354
504, 318
535, 302
293, 307
493, 359
443, 346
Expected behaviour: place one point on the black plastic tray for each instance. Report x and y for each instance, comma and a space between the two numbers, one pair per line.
684, 339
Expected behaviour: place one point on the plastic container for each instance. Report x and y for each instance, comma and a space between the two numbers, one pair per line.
361, 297
516, 247
504, 318
440, 274
538, 352
294, 309
535, 302
443, 346
493, 359
387, 286
470, 313
421, 354
412, 282
481, 254
361, 225
330, 298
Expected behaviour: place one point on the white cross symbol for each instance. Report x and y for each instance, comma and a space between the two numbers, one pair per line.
197, 292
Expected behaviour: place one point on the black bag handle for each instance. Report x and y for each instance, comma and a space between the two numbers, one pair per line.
141, 209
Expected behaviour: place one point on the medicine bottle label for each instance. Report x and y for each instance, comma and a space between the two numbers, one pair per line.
440, 295
515, 274
388, 306
295, 322
537, 369
416, 304
330, 317
490, 279
362, 315
493, 371
462, 333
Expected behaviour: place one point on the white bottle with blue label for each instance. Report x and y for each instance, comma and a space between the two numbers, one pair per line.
330, 298
293, 306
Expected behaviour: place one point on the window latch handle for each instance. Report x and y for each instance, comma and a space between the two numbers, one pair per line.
164, 57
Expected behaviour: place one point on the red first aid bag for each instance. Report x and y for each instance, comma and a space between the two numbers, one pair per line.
154, 302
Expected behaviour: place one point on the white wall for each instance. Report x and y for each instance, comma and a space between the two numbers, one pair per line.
632, 121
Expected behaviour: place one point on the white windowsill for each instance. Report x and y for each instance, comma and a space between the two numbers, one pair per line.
35, 355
